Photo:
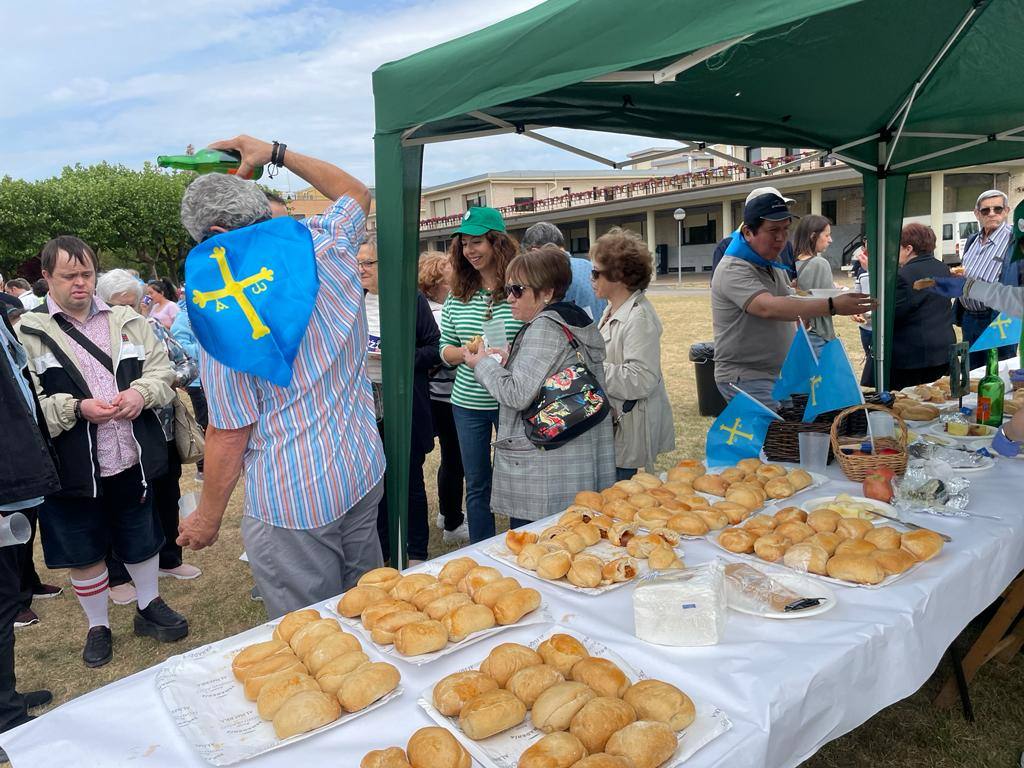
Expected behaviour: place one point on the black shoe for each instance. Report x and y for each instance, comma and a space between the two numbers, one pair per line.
35, 699
99, 647
158, 621
21, 720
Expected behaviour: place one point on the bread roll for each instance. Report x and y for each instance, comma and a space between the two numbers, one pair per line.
893, 561
745, 496
790, 515
308, 635
827, 541
455, 570
434, 747
506, 659
675, 506
477, 577
853, 528
771, 546
490, 713
330, 677
305, 711
427, 595
648, 743
556, 750
735, 512
421, 637
516, 540
259, 674
715, 519
512, 606
716, 485
685, 474
614, 494
258, 652
795, 531
800, 479
924, 545
759, 524
575, 514
662, 494
374, 613
734, 474
739, 540
562, 652
467, 619
408, 586
359, 598
884, 537
554, 565
640, 546
384, 578
604, 760
661, 701
360, 688
629, 486
529, 683
572, 541
860, 570
489, 593
589, 532
292, 621
824, 520
664, 558
647, 480
806, 557
277, 690
855, 547
769, 472
619, 570
530, 556
688, 524
555, 708
334, 644
383, 632
653, 517
599, 718
442, 606
453, 691
779, 488
621, 510
392, 757
590, 499
601, 675
585, 571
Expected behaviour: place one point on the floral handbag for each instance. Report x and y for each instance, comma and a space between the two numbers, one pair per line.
570, 402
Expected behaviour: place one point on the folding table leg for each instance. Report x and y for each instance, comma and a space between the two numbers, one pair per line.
961, 681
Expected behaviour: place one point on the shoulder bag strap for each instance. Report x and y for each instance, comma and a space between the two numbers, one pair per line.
84, 342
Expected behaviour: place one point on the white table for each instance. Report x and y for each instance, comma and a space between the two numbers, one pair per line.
788, 686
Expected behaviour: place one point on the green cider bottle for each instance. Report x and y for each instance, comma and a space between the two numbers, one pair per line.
991, 391
207, 161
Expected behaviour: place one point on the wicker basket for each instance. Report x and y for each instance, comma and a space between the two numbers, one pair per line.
782, 442
859, 467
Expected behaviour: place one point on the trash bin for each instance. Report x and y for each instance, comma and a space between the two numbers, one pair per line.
709, 400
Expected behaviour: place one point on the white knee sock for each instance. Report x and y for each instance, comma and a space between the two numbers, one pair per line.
93, 594
144, 575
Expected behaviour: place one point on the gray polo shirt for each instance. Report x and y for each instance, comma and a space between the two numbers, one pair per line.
747, 347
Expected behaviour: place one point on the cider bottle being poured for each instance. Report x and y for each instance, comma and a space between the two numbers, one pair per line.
207, 161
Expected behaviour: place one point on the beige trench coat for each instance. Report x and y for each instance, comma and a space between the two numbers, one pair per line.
632, 371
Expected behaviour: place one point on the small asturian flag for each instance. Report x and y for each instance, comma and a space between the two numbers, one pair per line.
739, 431
834, 385
1001, 332
799, 367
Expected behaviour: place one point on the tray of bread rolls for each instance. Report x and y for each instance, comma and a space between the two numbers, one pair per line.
434, 610
273, 685
563, 697
585, 552
823, 544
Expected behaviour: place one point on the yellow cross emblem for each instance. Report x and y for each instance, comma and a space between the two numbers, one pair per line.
1000, 324
815, 381
235, 289
734, 432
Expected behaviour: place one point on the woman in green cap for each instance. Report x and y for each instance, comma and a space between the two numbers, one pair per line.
475, 315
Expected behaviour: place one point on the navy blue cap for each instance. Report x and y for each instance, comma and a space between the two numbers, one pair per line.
768, 207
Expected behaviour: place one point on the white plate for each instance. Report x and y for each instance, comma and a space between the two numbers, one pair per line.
940, 430
884, 510
793, 581
823, 293
986, 463
504, 749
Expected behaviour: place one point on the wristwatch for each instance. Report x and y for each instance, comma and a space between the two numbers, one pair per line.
78, 409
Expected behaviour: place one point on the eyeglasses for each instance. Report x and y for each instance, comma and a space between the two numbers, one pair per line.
366, 264
596, 273
515, 289
991, 209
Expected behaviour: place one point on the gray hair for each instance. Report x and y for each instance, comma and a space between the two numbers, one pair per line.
116, 281
222, 200
542, 233
992, 193
370, 240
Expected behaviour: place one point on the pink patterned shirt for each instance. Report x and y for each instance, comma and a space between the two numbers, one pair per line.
116, 446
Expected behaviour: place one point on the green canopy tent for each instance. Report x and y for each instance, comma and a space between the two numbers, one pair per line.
890, 87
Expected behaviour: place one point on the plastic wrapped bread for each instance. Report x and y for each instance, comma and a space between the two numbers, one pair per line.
682, 608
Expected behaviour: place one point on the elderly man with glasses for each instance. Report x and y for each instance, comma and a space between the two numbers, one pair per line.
987, 258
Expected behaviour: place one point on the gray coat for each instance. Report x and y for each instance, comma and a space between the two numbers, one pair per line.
529, 482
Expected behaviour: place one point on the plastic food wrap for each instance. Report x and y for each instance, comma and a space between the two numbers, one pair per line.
761, 593
681, 608
930, 485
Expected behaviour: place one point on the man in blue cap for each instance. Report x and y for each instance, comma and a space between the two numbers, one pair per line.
753, 308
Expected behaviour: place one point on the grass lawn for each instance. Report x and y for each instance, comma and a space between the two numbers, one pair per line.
909, 734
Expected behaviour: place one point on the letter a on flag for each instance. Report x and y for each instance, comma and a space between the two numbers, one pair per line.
739, 432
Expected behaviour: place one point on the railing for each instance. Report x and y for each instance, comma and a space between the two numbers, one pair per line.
656, 185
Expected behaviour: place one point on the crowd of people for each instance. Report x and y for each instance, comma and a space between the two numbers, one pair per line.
98, 360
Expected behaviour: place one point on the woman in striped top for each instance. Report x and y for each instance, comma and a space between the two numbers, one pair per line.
480, 252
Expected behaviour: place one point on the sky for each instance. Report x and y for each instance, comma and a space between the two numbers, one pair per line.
125, 81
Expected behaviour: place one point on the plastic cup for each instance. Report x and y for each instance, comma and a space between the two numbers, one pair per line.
814, 450
14, 529
882, 424
187, 504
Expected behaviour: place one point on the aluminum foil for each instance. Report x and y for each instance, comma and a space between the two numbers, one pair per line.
931, 485
955, 457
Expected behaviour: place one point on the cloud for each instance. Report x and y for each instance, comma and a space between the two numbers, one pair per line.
125, 81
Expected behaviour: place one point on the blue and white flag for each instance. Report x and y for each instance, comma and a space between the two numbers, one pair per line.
1001, 332
739, 431
835, 385
800, 366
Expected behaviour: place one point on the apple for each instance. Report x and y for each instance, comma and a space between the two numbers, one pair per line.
878, 485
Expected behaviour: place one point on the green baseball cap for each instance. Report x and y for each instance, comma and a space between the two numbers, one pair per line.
1018, 231
480, 221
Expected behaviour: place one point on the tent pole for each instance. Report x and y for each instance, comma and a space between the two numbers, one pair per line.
880, 341
669, 73
940, 153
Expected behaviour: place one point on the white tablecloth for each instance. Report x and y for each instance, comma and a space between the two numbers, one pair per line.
788, 686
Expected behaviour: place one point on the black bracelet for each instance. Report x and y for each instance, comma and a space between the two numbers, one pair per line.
831, 307
277, 154
78, 409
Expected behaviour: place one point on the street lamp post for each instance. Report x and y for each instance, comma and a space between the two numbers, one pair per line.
679, 214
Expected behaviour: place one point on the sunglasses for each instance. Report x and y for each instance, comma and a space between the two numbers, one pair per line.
515, 289
991, 209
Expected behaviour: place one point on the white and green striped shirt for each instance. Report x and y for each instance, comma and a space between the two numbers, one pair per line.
460, 322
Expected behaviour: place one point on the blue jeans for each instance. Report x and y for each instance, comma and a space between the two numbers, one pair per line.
475, 429
624, 473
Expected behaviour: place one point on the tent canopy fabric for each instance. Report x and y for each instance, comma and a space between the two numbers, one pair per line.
891, 87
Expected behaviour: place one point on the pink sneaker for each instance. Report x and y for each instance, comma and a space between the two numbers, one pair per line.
123, 594
185, 572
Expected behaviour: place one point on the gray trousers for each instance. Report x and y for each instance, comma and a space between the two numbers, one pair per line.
759, 389
295, 568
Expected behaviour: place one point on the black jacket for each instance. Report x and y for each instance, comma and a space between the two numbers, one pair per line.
27, 469
923, 329
427, 358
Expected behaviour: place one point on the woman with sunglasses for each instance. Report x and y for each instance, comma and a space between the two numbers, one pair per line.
480, 253
632, 335
530, 483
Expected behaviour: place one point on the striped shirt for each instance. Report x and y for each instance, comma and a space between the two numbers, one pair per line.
984, 261
460, 322
314, 450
